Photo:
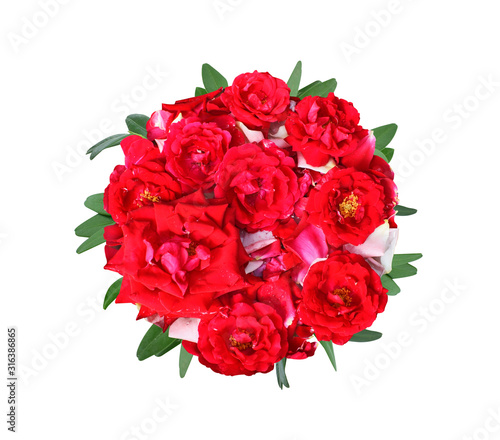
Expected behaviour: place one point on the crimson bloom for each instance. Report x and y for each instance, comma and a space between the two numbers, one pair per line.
194, 151
260, 183
187, 246
248, 337
257, 99
322, 128
133, 188
342, 295
349, 205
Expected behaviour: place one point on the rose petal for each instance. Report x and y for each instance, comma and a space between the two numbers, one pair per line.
309, 245
280, 134
185, 328
253, 265
361, 157
253, 241
253, 136
386, 259
378, 249
375, 245
301, 163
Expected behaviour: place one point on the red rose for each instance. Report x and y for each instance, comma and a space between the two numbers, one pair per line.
349, 205
342, 295
194, 151
246, 339
257, 99
132, 188
190, 245
260, 183
321, 128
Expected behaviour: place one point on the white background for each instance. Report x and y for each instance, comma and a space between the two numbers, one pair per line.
76, 74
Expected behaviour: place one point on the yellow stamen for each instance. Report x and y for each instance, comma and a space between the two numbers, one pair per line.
147, 195
349, 206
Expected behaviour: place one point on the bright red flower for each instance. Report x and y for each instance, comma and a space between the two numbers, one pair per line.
193, 151
260, 183
349, 205
321, 128
188, 246
257, 99
133, 188
342, 295
247, 338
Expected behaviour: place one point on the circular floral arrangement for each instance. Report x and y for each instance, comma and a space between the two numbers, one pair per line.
250, 222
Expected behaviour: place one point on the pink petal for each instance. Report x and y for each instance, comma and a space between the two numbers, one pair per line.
185, 328
309, 245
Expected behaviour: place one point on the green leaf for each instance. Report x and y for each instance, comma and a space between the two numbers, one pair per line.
380, 154
281, 375
136, 124
390, 285
200, 91
112, 293
403, 271
399, 259
328, 346
320, 89
94, 240
212, 80
389, 153
403, 210
95, 203
366, 336
294, 80
174, 343
184, 361
92, 225
155, 342
304, 90
384, 135
110, 141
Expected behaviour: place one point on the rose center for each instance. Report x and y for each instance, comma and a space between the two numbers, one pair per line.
148, 196
349, 206
239, 344
191, 250
344, 294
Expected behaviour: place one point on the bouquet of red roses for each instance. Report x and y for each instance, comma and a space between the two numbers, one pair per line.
251, 221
